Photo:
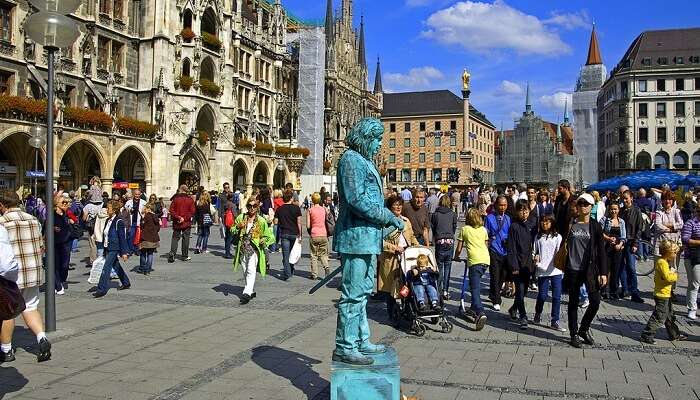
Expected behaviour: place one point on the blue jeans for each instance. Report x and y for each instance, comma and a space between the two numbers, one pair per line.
130, 233
111, 262
443, 256
628, 273
287, 244
583, 294
203, 237
419, 290
543, 283
74, 247
475, 274
146, 260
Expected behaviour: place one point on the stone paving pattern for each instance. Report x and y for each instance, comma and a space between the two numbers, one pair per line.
182, 334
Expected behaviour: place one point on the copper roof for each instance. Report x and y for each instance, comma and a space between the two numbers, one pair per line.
594, 57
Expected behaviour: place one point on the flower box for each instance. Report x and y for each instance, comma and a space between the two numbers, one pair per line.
293, 151
185, 82
187, 35
260, 146
209, 88
211, 41
133, 127
94, 119
27, 107
203, 137
243, 143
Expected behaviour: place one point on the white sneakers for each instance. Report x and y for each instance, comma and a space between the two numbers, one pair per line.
692, 314
497, 307
60, 292
585, 304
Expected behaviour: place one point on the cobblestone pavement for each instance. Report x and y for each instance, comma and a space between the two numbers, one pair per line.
182, 334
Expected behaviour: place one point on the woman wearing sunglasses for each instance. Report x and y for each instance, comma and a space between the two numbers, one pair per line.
252, 235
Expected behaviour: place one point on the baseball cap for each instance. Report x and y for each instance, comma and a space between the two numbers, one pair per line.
587, 197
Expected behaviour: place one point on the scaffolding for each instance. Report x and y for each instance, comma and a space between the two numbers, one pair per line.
584, 104
312, 61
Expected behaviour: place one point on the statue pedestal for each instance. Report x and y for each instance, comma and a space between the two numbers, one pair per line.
380, 381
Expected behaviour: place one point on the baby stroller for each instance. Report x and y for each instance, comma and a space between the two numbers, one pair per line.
409, 303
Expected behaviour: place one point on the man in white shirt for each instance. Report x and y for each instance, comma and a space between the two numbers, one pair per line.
135, 206
406, 195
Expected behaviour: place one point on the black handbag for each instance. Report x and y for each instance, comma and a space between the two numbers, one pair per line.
76, 232
11, 300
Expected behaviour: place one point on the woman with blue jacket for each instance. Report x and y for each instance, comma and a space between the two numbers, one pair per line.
116, 246
615, 236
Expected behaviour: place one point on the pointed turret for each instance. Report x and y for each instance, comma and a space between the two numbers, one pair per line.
378, 79
361, 57
566, 112
559, 138
594, 57
329, 21
528, 106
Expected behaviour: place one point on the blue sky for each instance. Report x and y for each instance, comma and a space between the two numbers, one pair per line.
425, 44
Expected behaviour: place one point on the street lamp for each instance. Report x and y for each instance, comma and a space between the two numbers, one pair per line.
37, 140
53, 30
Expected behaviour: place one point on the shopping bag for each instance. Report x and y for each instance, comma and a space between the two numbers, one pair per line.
96, 270
295, 254
137, 236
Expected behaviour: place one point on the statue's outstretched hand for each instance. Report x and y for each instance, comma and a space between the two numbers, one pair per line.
398, 223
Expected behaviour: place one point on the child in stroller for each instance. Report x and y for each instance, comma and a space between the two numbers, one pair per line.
423, 276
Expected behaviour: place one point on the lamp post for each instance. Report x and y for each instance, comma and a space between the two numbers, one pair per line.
37, 140
53, 30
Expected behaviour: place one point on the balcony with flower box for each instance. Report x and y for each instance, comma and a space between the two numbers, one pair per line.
135, 128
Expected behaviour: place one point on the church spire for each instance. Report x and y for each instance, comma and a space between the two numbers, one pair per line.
378, 79
347, 11
594, 57
566, 112
329, 21
361, 57
528, 106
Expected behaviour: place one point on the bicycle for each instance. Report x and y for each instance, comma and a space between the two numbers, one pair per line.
645, 265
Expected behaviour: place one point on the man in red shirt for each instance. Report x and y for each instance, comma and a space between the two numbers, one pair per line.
181, 211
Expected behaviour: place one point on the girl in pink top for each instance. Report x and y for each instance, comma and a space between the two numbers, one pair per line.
316, 225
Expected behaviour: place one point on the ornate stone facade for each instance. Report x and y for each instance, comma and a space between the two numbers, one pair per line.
347, 97
199, 92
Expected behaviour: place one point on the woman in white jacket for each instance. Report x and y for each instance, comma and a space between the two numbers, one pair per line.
9, 268
98, 231
546, 246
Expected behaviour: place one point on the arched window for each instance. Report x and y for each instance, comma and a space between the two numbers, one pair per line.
187, 19
680, 160
207, 69
661, 160
209, 22
696, 160
643, 160
186, 66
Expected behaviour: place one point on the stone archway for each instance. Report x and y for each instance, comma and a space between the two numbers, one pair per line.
194, 170
131, 166
17, 157
260, 175
240, 175
280, 176
80, 162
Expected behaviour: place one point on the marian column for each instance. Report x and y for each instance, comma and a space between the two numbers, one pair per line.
465, 155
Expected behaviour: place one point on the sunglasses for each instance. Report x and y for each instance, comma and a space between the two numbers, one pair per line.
252, 206
583, 204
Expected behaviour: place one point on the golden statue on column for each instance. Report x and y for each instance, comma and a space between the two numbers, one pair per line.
465, 80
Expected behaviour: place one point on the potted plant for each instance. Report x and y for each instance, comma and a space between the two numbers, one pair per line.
187, 34
209, 88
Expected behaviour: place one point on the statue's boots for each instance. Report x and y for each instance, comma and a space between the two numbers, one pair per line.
354, 358
368, 348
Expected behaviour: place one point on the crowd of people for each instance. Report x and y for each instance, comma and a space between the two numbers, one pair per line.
585, 245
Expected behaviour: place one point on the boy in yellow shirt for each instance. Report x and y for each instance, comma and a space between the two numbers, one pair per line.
664, 278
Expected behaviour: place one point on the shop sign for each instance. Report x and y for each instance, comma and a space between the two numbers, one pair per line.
120, 185
134, 186
451, 133
35, 174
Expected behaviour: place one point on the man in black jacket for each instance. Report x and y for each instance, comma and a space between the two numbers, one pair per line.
633, 225
586, 264
564, 206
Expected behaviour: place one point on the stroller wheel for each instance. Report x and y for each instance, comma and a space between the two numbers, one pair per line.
446, 326
434, 320
419, 328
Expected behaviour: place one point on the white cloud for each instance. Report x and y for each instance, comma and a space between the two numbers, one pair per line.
415, 79
555, 102
570, 21
508, 88
485, 27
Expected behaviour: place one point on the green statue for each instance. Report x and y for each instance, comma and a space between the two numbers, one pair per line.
358, 239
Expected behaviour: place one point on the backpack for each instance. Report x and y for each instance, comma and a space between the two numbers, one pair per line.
228, 218
330, 223
646, 227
